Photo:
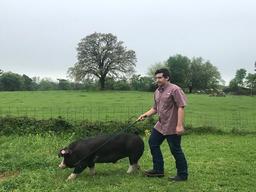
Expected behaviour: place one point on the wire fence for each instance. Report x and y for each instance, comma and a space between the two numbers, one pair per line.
225, 121
91, 113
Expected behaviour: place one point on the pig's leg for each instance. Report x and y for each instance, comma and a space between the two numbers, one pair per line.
133, 164
91, 166
72, 176
78, 169
132, 168
92, 171
62, 165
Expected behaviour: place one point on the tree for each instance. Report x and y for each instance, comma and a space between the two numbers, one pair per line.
153, 68
242, 84
141, 83
27, 83
193, 73
136, 82
100, 55
238, 81
251, 81
64, 84
10, 81
47, 84
240, 76
178, 66
122, 84
233, 86
203, 75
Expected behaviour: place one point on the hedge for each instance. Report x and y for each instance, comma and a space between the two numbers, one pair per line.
26, 125
10, 125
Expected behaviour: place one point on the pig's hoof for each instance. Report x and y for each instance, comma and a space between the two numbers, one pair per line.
133, 168
92, 171
71, 177
62, 165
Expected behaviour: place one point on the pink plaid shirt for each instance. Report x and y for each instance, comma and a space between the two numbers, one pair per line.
167, 100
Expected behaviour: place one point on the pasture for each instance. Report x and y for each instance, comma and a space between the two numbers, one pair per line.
225, 113
217, 162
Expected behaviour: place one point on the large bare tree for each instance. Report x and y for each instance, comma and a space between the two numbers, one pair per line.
100, 55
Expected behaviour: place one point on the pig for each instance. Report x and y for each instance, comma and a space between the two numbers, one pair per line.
102, 149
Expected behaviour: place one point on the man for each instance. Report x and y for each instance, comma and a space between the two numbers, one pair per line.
169, 103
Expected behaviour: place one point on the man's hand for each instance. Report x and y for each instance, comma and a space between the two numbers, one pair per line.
142, 117
180, 129
150, 112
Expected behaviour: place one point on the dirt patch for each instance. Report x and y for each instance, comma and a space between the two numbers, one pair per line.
8, 174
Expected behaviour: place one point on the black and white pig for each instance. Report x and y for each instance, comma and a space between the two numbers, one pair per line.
102, 149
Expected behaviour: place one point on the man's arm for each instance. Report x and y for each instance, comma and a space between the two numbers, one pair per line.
180, 127
149, 113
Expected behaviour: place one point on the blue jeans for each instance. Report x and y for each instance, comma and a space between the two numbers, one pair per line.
174, 141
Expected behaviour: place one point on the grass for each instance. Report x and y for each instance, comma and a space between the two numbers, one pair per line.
216, 163
228, 113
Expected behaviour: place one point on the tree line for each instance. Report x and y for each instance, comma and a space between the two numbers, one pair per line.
10, 81
104, 62
243, 83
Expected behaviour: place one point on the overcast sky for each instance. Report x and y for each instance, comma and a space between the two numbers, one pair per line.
39, 38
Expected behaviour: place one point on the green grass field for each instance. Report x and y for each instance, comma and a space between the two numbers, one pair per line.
226, 113
216, 163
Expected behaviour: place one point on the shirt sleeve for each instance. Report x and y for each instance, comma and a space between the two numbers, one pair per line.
180, 98
154, 104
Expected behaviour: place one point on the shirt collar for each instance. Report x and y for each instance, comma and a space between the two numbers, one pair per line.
162, 88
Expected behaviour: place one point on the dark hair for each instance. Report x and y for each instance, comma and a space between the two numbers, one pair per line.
165, 72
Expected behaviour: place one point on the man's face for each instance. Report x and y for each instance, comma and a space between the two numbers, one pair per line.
160, 79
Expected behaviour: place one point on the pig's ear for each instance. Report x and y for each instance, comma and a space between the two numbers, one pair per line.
68, 151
